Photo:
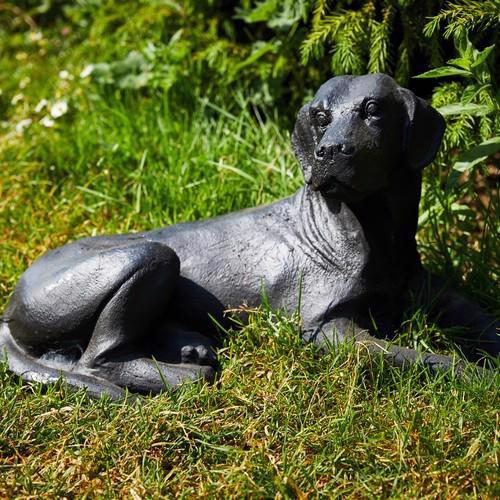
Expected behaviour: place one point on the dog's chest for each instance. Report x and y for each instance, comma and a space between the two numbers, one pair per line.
335, 256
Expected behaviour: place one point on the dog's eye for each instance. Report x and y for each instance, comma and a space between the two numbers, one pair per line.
322, 118
372, 109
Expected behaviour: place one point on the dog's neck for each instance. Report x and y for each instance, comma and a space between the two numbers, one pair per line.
314, 221
388, 219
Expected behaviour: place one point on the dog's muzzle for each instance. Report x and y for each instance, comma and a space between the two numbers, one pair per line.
330, 185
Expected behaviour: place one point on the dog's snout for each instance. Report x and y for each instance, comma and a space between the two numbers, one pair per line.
327, 151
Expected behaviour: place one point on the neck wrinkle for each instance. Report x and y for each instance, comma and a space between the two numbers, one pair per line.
314, 214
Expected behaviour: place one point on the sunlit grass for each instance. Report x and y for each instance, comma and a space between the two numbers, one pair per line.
281, 419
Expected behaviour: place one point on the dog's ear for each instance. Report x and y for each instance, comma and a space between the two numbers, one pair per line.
424, 130
303, 142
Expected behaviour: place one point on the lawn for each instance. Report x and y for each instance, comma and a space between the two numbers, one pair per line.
281, 421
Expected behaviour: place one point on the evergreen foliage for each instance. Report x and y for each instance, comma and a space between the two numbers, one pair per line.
460, 18
380, 36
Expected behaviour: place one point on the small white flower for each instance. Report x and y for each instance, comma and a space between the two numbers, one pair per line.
58, 109
17, 98
35, 36
65, 75
42, 104
47, 121
87, 71
22, 125
24, 82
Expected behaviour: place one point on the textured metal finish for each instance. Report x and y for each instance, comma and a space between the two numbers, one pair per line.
140, 311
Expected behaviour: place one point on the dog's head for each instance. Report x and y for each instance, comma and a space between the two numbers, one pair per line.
358, 130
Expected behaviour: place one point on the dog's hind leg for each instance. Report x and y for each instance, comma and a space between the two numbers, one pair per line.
119, 347
88, 310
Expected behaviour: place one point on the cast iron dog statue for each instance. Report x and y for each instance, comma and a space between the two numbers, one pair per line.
137, 311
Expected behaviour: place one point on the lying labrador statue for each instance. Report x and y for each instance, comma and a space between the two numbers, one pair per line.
139, 311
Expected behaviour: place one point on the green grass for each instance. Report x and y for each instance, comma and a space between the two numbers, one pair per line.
281, 420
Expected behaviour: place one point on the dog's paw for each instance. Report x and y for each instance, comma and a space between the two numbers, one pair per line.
198, 355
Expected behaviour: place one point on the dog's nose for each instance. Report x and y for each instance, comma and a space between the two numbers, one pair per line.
326, 151
345, 148
320, 152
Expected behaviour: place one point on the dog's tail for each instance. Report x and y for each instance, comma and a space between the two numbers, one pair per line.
33, 370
